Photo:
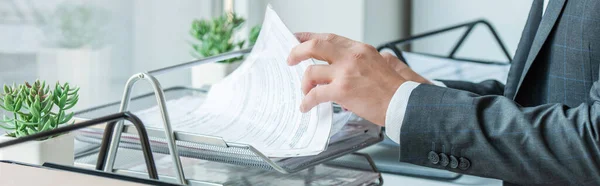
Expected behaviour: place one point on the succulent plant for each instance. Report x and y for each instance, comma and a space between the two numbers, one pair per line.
32, 107
214, 37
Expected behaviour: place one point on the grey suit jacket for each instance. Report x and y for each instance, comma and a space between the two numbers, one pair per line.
542, 128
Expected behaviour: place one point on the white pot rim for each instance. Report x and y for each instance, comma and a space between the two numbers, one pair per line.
4, 137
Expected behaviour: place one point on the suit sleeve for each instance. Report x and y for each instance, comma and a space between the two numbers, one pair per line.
488, 87
492, 136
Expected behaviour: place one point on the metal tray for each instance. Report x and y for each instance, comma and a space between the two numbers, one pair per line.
215, 149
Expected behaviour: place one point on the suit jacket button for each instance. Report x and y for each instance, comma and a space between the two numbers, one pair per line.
444, 161
433, 157
464, 163
453, 162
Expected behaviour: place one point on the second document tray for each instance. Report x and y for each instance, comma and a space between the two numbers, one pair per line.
356, 135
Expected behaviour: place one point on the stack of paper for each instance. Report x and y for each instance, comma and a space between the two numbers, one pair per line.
258, 104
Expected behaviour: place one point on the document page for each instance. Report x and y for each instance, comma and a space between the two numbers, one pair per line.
258, 104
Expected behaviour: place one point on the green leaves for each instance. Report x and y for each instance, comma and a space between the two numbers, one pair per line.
7, 89
9, 103
6, 123
65, 97
32, 107
65, 118
217, 36
253, 36
48, 125
62, 101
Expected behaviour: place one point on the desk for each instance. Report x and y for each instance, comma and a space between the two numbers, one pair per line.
392, 179
13, 175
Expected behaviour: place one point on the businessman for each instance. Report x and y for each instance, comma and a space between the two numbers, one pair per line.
541, 128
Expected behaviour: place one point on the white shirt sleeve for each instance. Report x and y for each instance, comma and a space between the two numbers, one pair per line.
545, 6
397, 106
438, 83
394, 115
396, 110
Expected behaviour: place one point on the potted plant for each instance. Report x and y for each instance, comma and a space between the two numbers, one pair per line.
74, 48
214, 37
33, 108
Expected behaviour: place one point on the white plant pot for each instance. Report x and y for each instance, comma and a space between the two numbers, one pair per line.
211, 73
57, 150
87, 68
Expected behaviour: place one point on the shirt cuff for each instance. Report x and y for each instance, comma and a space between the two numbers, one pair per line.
438, 83
394, 115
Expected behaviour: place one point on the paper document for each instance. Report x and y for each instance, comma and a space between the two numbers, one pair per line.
258, 104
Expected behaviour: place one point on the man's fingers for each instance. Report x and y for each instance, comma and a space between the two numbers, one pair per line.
306, 36
317, 49
303, 36
316, 75
317, 95
322, 46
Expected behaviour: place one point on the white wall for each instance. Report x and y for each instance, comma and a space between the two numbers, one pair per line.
508, 16
373, 22
161, 35
119, 36
386, 20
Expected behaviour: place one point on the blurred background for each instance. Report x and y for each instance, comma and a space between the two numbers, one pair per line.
99, 44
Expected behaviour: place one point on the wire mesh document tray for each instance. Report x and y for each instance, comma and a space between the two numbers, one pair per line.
129, 162
211, 148
214, 149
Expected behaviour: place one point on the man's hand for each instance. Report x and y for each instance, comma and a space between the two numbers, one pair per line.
358, 77
403, 69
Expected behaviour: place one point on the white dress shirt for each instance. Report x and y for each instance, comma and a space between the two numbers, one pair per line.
397, 107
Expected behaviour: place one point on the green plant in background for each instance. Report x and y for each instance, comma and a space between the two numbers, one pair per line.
216, 36
31, 107
75, 25
254, 35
